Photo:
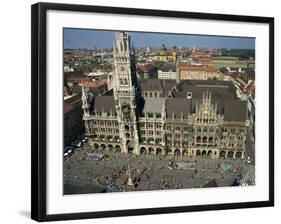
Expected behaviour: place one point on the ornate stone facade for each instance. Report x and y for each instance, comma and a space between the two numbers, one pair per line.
186, 118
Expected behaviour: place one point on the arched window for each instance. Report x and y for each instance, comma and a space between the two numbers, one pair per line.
210, 153
230, 154
127, 128
204, 139
143, 151
222, 154
177, 152
117, 148
238, 154
158, 151
150, 150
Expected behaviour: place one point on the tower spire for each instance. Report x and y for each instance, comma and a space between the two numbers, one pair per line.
85, 105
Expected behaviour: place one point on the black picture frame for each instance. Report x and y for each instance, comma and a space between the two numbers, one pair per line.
39, 122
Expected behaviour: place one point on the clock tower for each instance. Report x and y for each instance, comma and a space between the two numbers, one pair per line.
125, 92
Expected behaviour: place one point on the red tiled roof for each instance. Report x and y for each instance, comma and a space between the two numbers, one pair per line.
77, 78
249, 87
90, 83
145, 67
94, 84
203, 59
103, 81
67, 107
198, 52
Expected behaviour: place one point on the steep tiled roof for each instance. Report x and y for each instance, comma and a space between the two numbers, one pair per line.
151, 84
153, 104
177, 106
67, 107
104, 103
145, 67
235, 110
219, 89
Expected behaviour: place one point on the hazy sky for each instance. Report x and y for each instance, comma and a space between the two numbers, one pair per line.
84, 38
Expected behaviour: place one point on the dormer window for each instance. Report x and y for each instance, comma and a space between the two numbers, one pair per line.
189, 95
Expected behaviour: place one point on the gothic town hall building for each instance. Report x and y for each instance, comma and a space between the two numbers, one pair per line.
186, 118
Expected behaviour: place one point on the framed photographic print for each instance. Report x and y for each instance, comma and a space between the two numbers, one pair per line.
138, 111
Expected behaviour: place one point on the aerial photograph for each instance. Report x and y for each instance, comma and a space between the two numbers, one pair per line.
157, 111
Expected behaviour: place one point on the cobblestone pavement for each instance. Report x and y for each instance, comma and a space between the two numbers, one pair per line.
149, 172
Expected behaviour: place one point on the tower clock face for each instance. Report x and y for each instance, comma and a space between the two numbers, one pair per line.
122, 68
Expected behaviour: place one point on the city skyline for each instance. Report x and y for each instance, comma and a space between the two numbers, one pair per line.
86, 38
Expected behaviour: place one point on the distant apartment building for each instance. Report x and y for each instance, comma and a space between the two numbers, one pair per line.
167, 72
189, 72
225, 61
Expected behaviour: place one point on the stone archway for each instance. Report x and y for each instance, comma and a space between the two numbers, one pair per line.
117, 148
177, 152
210, 153
143, 151
230, 154
238, 154
204, 153
158, 151
103, 146
150, 151
110, 147
198, 152
130, 150
96, 146
222, 154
